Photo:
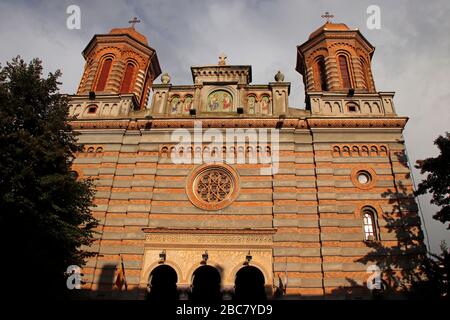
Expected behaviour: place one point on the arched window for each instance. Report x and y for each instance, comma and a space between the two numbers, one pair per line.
345, 74
365, 71
321, 76
103, 77
370, 226
127, 78
92, 109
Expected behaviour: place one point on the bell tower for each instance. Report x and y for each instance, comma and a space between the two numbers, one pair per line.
335, 63
120, 64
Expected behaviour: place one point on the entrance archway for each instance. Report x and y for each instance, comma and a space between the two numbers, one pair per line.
163, 284
206, 285
249, 285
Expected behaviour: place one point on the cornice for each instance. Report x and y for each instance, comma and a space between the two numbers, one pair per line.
293, 123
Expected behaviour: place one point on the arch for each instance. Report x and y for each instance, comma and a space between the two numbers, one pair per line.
365, 151
175, 103
249, 285
328, 108
355, 151
365, 72
206, 281
251, 103
373, 151
164, 151
344, 70
163, 284
219, 100
346, 151
370, 223
104, 73
128, 77
91, 109
265, 103
188, 101
320, 73
336, 151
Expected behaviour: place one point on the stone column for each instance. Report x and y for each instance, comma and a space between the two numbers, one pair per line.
280, 94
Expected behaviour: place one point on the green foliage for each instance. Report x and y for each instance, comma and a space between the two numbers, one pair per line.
44, 210
437, 181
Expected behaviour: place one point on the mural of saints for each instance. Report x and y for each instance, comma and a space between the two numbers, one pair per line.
265, 105
175, 104
187, 104
220, 101
251, 102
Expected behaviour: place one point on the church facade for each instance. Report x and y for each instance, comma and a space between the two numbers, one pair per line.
219, 189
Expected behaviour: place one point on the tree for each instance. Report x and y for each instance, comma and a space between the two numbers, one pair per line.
435, 269
44, 209
438, 180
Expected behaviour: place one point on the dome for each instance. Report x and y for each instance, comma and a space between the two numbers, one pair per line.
132, 33
328, 26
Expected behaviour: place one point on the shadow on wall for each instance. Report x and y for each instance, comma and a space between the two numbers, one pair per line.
399, 260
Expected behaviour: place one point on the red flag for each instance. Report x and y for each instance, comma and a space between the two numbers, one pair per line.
121, 280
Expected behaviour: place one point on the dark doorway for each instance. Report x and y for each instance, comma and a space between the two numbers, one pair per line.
249, 285
206, 285
163, 284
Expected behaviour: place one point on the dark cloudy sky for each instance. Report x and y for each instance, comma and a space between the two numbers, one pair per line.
412, 54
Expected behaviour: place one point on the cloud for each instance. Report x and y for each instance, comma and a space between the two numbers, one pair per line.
411, 58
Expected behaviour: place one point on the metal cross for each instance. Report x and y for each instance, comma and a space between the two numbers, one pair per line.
327, 16
134, 21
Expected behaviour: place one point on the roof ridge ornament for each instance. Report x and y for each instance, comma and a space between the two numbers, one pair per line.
222, 58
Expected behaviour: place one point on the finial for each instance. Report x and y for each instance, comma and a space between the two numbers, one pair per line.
134, 21
279, 77
222, 58
165, 78
327, 16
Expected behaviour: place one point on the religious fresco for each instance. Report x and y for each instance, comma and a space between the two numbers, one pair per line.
219, 101
265, 104
251, 104
175, 104
187, 105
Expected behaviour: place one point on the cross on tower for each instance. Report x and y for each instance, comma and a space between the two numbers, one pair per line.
327, 16
134, 21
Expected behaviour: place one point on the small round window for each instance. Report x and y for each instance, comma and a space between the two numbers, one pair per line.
364, 177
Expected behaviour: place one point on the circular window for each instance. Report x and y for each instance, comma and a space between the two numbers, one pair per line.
363, 178
212, 187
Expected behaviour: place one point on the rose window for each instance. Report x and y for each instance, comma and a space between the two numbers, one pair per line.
212, 187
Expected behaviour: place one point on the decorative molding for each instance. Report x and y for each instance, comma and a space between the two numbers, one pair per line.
241, 123
213, 186
357, 123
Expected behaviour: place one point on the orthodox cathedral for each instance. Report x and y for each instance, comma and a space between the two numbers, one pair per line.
221, 190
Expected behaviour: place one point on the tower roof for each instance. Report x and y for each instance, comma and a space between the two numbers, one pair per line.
329, 26
131, 32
